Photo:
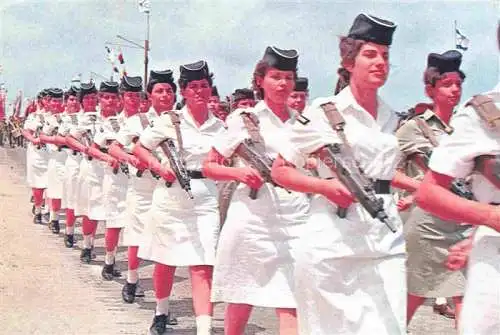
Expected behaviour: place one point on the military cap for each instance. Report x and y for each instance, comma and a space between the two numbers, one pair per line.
446, 62
109, 87
55, 93
301, 84
372, 29
281, 59
131, 84
156, 77
194, 71
243, 93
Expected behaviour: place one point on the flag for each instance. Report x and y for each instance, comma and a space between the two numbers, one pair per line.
144, 6
120, 57
461, 41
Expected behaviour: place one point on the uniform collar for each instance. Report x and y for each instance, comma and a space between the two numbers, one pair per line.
210, 122
262, 109
346, 102
429, 114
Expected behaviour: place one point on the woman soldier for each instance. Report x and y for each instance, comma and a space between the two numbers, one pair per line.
298, 98
37, 156
427, 237
91, 193
111, 180
350, 273
185, 230
471, 150
79, 139
161, 88
55, 169
255, 254
71, 164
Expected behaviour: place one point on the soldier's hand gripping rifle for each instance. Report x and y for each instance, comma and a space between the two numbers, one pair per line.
356, 181
177, 165
459, 186
257, 159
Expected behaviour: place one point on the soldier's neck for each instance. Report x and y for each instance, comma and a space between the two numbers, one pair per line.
366, 97
443, 113
131, 112
279, 109
199, 113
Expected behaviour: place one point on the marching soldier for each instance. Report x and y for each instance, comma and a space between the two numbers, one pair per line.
256, 250
350, 273
214, 101
427, 237
79, 139
145, 103
36, 156
471, 151
161, 88
56, 169
298, 98
185, 219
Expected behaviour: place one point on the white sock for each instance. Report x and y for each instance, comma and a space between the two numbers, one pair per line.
109, 258
203, 325
441, 301
54, 215
132, 276
87, 241
38, 210
70, 230
162, 306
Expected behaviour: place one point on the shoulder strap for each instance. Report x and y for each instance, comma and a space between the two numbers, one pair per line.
427, 131
252, 125
176, 122
337, 122
485, 107
144, 120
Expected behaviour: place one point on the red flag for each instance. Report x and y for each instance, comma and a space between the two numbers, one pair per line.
120, 58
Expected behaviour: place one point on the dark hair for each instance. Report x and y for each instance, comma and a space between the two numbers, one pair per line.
184, 82
432, 75
260, 72
349, 49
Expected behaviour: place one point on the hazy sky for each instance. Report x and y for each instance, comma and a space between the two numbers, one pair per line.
45, 43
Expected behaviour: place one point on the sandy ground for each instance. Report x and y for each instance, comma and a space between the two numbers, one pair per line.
44, 289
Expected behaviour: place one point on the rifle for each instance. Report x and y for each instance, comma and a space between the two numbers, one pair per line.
258, 159
336, 158
177, 165
459, 186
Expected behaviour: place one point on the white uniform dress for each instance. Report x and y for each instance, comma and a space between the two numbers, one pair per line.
56, 171
71, 165
183, 231
256, 251
140, 190
455, 158
36, 159
90, 178
350, 275
114, 186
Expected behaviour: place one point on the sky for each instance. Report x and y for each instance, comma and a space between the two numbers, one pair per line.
45, 43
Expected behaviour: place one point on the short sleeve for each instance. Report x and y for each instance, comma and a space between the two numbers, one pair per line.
228, 141
307, 139
127, 134
156, 133
411, 140
29, 124
456, 153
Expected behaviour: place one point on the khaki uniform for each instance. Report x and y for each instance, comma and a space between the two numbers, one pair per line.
428, 237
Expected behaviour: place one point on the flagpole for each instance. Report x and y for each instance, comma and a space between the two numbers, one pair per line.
454, 34
146, 49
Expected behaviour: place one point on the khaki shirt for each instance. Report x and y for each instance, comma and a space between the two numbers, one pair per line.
413, 141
